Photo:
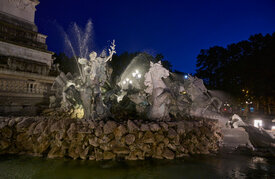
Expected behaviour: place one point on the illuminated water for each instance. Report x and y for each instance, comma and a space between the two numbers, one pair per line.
230, 166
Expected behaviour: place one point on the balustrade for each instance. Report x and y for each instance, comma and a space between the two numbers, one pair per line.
22, 87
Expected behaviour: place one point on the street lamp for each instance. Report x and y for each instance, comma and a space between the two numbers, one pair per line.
185, 76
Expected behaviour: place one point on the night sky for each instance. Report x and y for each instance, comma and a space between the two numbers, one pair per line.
177, 29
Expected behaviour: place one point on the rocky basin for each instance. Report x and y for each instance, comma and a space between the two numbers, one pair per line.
58, 137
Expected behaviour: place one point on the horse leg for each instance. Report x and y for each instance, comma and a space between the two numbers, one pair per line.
219, 103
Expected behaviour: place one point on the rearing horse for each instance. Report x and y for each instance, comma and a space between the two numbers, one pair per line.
156, 87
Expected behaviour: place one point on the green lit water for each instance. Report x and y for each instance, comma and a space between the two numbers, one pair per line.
229, 166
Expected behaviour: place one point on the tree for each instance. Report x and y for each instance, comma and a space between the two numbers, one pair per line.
120, 62
165, 63
66, 64
245, 65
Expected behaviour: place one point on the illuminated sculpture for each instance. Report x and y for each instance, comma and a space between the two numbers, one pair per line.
168, 94
94, 76
161, 96
156, 87
85, 90
200, 97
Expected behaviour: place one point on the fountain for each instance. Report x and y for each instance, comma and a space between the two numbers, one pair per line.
148, 113
155, 93
84, 91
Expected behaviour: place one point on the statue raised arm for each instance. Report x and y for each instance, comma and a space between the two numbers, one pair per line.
111, 51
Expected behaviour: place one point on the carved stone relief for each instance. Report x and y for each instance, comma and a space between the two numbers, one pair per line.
21, 4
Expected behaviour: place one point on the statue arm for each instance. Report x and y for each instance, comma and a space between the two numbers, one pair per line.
111, 51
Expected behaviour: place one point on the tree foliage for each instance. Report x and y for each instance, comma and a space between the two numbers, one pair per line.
246, 65
120, 62
66, 64
165, 63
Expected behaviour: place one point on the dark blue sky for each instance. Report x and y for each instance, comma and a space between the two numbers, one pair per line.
178, 29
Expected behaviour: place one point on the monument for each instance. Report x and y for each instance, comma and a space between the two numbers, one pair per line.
25, 61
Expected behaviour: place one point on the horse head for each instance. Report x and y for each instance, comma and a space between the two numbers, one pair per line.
153, 78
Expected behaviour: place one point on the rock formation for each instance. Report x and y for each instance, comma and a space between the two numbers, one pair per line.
99, 140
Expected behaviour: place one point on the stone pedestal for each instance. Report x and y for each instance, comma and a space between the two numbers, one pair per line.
25, 61
23, 93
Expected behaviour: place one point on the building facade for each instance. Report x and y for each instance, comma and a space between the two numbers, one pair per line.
25, 61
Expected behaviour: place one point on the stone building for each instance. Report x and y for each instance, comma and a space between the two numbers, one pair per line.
25, 62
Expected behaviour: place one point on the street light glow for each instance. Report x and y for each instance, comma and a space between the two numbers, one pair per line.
258, 123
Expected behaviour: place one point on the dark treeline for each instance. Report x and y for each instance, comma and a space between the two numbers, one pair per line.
247, 66
66, 64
